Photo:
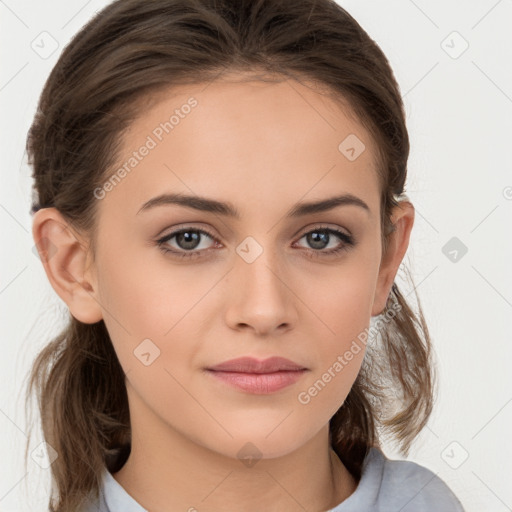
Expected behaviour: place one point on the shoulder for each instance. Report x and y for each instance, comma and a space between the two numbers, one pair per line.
388, 485
96, 503
112, 497
408, 486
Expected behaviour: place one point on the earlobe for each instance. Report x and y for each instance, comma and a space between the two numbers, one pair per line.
403, 219
64, 257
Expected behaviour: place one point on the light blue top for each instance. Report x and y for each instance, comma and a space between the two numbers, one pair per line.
386, 486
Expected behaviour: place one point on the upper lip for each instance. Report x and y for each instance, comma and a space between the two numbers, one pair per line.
253, 365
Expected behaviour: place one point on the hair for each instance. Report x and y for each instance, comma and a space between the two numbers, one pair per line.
131, 52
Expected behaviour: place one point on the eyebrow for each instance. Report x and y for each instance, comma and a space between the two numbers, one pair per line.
227, 209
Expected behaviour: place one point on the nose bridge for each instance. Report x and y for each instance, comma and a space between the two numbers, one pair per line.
263, 299
258, 269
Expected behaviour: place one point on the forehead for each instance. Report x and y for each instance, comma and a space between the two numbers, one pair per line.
252, 140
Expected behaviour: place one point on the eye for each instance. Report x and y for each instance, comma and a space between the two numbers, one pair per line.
188, 241
321, 237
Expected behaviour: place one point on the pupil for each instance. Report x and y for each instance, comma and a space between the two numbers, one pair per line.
190, 239
318, 237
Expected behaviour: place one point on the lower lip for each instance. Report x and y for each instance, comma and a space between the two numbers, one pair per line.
259, 383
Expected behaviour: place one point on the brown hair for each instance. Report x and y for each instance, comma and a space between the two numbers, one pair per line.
125, 55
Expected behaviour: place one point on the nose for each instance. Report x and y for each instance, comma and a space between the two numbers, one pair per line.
261, 298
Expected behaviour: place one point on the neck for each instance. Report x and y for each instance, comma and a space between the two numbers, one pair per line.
308, 479
168, 470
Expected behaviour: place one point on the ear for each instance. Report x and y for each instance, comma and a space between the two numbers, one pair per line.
398, 242
64, 255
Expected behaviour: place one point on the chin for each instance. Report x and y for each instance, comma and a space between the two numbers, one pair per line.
260, 445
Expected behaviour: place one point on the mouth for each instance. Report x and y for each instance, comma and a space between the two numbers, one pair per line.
258, 376
258, 383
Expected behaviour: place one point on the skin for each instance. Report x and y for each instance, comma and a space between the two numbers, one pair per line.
263, 147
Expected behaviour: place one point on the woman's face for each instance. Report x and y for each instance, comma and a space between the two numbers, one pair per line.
266, 282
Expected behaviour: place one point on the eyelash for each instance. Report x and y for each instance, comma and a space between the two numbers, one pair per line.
348, 242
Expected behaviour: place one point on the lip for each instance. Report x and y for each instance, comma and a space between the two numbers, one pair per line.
253, 365
258, 377
259, 383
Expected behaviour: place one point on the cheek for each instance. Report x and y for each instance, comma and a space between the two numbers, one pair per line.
144, 297
339, 355
341, 311
341, 300
138, 289
341, 294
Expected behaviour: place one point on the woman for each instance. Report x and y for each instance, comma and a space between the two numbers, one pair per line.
221, 207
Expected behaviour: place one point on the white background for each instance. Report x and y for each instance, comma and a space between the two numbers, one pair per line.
459, 114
